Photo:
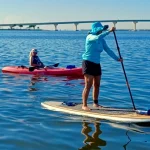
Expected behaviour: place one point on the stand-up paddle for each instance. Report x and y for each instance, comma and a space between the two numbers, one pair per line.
33, 68
145, 112
124, 71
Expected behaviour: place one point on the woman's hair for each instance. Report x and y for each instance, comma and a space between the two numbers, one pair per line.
32, 50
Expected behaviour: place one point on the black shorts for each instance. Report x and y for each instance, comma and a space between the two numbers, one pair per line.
91, 68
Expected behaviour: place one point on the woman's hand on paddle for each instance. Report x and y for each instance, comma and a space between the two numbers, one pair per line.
112, 29
45, 67
120, 59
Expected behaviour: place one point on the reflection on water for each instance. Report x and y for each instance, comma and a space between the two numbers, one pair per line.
53, 80
92, 141
129, 140
34, 80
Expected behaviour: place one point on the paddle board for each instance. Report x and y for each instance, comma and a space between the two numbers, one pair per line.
106, 113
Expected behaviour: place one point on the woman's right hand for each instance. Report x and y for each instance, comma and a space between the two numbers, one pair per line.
112, 29
120, 59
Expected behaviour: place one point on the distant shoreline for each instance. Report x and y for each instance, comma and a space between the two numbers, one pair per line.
68, 30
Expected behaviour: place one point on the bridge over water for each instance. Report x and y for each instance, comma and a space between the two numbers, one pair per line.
76, 23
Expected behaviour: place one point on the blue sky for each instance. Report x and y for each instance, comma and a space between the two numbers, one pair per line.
18, 11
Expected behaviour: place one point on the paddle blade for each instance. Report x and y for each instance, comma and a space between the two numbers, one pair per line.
148, 112
56, 65
143, 112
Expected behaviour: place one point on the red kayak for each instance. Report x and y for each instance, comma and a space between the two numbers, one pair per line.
75, 72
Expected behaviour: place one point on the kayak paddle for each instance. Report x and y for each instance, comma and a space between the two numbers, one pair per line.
33, 68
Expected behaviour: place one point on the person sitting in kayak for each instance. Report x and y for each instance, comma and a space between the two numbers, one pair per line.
34, 60
36, 63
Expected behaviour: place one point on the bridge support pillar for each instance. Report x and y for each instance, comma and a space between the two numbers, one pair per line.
55, 25
76, 26
114, 23
134, 23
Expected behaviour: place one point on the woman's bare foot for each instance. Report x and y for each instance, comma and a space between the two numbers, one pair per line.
86, 108
97, 105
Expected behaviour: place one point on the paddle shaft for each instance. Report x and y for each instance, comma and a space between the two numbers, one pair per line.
124, 71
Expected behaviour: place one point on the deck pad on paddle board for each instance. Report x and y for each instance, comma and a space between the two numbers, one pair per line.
107, 113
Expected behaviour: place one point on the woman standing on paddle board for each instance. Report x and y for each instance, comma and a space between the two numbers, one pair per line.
91, 67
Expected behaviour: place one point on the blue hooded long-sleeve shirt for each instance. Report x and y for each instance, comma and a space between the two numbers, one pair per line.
94, 45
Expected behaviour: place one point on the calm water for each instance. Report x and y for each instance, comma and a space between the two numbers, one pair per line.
26, 125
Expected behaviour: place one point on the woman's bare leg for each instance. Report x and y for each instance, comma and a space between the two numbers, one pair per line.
88, 84
96, 87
